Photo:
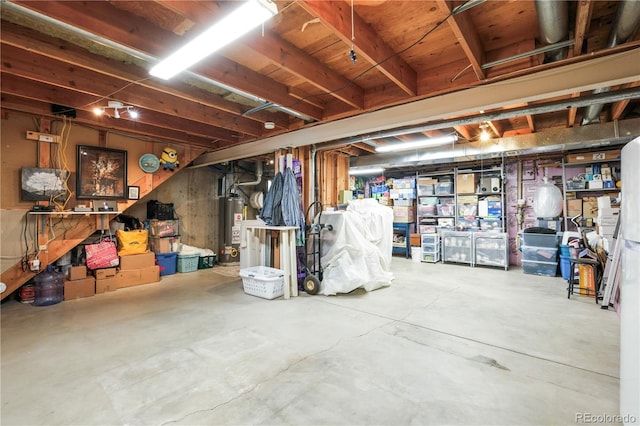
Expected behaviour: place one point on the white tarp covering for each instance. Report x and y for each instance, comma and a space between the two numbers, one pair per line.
357, 252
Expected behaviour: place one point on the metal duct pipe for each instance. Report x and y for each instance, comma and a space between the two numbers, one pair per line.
553, 20
258, 176
624, 26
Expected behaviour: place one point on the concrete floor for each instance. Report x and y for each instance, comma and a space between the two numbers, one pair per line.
445, 344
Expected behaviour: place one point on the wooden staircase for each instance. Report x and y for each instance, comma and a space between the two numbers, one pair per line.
85, 226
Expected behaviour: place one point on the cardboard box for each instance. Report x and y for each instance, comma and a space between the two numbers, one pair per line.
77, 273
466, 183
137, 261
403, 214
164, 244
414, 240
135, 277
585, 157
574, 208
105, 273
79, 288
590, 207
106, 284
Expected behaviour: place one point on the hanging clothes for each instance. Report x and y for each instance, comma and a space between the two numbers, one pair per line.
291, 208
272, 209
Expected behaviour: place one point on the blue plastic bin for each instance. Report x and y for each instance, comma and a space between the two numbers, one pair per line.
565, 266
168, 263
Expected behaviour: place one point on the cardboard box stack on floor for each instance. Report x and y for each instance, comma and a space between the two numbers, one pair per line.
78, 284
134, 269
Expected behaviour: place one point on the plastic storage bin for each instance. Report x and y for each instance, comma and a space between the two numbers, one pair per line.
263, 281
160, 211
444, 188
206, 262
540, 254
565, 267
167, 262
164, 228
188, 262
539, 240
548, 269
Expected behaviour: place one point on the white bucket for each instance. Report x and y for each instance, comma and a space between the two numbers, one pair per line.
416, 254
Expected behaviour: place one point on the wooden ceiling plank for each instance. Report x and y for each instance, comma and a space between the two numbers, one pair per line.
36, 67
287, 56
62, 50
467, 36
465, 131
107, 21
618, 107
158, 134
45, 92
365, 147
496, 126
584, 10
369, 46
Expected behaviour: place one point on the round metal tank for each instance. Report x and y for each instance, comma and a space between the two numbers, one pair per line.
232, 208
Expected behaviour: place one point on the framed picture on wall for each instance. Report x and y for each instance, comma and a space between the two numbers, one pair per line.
134, 193
101, 173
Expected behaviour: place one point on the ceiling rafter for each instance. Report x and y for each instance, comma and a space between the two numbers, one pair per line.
583, 17
107, 21
337, 16
467, 36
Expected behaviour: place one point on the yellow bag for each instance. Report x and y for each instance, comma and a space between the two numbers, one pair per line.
132, 242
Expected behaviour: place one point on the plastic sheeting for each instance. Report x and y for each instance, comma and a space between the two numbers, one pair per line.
357, 252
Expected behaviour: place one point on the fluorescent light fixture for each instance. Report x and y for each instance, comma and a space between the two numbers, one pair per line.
368, 171
404, 146
239, 22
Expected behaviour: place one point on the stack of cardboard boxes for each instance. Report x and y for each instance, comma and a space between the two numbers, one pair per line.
607, 219
134, 269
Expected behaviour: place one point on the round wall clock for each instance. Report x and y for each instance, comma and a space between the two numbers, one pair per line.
149, 163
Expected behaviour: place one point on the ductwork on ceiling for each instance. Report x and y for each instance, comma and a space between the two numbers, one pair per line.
553, 20
624, 26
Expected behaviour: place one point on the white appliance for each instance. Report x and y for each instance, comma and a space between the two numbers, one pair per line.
630, 286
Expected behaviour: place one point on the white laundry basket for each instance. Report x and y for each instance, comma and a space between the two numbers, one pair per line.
263, 281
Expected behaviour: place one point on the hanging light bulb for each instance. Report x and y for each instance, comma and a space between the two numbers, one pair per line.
484, 134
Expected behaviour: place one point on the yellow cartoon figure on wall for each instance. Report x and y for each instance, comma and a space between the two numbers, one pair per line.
169, 159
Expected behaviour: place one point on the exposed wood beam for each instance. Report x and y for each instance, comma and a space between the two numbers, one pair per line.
467, 36
292, 59
572, 112
286, 56
105, 20
61, 50
496, 126
617, 108
365, 147
547, 83
369, 46
45, 70
583, 17
17, 103
465, 131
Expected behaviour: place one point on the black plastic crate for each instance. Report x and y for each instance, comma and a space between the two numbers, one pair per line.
160, 211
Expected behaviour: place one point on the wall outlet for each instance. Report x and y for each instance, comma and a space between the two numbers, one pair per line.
34, 265
42, 247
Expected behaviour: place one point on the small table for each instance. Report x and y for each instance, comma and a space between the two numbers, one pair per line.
571, 281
